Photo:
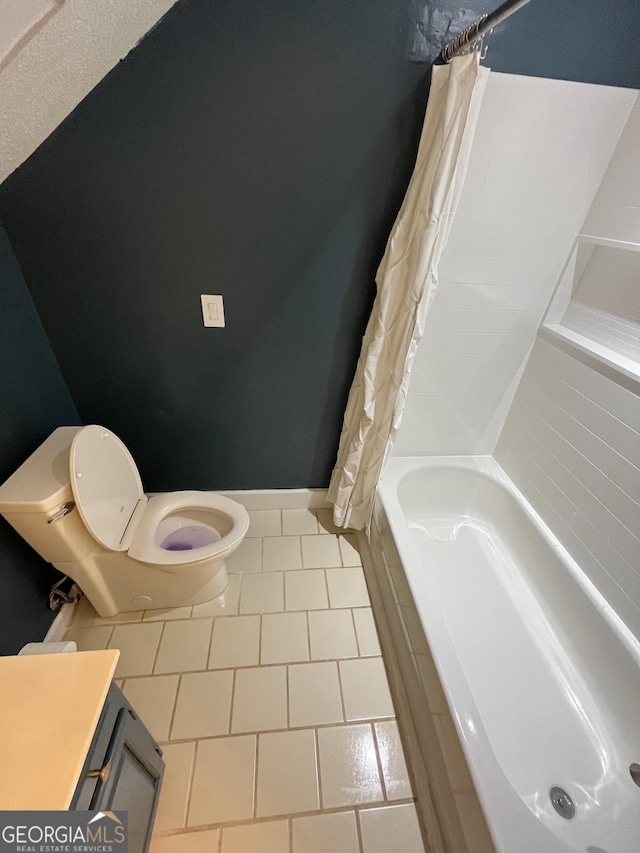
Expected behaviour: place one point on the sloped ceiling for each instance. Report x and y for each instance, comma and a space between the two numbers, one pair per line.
60, 63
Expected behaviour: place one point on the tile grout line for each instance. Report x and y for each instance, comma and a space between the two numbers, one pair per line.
192, 774
338, 724
326, 589
316, 744
231, 703
175, 705
280, 730
342, 703
306, 623
248, 821
383, 780
256, 770
284, 572
105, 620
240, 591
210, 649
359, 831
355, 631
251, 665
288, 696
209, 642
282, 590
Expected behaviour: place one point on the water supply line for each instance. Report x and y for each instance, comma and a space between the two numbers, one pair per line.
58, 597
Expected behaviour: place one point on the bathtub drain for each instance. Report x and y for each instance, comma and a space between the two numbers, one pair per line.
562, 802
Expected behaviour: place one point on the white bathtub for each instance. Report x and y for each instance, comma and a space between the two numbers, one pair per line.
541, 677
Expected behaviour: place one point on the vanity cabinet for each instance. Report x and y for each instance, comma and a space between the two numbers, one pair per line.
123, 770
70, 740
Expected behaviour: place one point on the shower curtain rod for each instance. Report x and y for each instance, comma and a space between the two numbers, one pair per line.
465, 41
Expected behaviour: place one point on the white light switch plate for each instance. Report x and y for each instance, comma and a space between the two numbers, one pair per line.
212, 310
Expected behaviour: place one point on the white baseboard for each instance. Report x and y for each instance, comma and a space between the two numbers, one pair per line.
279, 498
60, 624
275, 498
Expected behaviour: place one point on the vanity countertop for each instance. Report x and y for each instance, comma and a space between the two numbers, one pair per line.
49, 709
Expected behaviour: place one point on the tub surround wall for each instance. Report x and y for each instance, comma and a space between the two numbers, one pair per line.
571, 440
607, 299
571, 446
605, 304
615, 212
526, 195
33, 401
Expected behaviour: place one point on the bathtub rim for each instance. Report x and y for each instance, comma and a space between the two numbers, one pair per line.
491, 784
398, 467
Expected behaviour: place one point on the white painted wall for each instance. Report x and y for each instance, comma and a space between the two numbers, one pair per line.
540, 151
60, 65
571, 441
19, 21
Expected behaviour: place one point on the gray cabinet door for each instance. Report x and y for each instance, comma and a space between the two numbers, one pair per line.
130, 778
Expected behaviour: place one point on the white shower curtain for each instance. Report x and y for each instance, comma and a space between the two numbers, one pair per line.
406, 280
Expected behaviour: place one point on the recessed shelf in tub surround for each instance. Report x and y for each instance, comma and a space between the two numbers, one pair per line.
595, 310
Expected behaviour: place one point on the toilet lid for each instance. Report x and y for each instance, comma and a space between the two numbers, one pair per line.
106, 484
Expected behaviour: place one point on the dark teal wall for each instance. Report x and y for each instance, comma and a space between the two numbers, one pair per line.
254, 149
592, 41
33, 402
259, 149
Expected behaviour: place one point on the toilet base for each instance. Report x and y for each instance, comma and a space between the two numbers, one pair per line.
214, 588
115, 583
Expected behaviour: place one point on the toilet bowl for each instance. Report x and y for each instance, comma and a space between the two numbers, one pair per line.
78, 501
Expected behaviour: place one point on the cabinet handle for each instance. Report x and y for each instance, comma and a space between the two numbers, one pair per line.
102, 774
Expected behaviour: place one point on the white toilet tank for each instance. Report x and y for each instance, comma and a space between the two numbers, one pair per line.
32, 497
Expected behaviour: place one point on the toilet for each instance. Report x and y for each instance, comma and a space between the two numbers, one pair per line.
78, 501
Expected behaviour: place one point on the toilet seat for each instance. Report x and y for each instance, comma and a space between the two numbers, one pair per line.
106, 486
109, 497
146, 548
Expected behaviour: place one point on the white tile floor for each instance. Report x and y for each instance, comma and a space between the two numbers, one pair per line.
271, 704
